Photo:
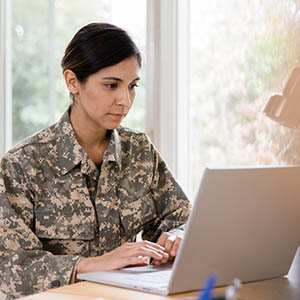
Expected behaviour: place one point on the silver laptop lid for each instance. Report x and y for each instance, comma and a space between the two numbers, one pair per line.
245, 223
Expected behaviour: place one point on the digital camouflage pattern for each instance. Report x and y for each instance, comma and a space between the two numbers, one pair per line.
55, 204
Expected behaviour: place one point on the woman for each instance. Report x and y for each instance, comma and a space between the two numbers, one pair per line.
74, 196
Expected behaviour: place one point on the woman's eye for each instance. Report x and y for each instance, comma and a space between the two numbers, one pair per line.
133, 86
111, 85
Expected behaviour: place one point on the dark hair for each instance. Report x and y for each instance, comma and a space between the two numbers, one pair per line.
97, 46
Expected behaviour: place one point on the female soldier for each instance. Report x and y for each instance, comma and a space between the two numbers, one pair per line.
74, 196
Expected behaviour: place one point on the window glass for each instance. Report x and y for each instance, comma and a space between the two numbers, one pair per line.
241, 53
40, 32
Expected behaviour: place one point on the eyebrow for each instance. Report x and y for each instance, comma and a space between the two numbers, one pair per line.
119, 79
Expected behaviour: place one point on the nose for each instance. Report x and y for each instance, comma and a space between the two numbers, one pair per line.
123, 98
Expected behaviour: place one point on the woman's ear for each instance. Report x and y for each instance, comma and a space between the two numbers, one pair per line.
71, 81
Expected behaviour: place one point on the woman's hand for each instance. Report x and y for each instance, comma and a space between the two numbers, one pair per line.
171, 243
123, 256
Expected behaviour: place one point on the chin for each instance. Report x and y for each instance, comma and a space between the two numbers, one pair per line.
112, 126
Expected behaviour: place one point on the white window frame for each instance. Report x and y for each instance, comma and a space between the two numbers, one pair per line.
168, 83
5, 77
51, 62
1, 77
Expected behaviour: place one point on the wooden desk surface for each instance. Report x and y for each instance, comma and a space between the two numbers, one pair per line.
276, 289
283, 288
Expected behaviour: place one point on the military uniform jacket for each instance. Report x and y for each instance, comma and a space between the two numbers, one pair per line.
56, 205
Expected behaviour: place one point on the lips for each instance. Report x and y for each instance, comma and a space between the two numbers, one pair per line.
117, 116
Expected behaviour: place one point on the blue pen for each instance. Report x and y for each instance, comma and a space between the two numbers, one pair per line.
209, 285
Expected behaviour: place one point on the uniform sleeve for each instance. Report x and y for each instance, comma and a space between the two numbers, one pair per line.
171, 203
25, 268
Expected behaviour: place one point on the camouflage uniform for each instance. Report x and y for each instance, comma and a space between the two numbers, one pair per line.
56, 205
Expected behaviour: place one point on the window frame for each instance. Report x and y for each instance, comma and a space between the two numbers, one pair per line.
5, 78
1, 77
167, 97
51, 62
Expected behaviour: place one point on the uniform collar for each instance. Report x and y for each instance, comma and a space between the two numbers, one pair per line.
70, 153
113, 151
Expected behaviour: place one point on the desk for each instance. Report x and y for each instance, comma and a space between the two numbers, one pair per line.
283, 288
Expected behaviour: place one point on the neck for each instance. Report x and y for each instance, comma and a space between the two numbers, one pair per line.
88, 136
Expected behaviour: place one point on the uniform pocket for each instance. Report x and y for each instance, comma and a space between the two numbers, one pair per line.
136, 213
63, 227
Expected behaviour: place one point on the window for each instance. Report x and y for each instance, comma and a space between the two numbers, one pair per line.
39, 32
241, 53
212, 65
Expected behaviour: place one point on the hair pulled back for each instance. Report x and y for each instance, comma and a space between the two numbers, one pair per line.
97, 46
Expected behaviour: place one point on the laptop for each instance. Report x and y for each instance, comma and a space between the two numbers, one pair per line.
245, 223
